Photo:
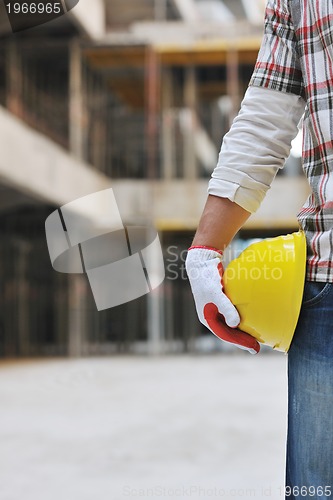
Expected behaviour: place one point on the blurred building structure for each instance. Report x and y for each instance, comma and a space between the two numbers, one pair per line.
130, 94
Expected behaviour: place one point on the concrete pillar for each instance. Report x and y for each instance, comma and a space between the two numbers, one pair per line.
190, 99
152, 91
76, 282
76, 117
23, 250
14, 78
233, 90
77, 323
155, 310
168, 137
155, 332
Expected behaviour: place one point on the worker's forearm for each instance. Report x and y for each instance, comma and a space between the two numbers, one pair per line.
220, 221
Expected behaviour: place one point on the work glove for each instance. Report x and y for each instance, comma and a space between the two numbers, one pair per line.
204, 269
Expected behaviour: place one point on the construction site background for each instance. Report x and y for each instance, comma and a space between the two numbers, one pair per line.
133, 95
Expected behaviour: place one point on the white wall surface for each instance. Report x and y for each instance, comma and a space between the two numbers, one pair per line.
90, 15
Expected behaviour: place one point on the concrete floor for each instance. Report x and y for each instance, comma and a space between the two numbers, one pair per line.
195, 427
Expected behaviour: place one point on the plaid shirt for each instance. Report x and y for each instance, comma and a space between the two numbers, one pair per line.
296, 57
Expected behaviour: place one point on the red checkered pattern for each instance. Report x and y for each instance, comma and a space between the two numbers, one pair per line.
296, 56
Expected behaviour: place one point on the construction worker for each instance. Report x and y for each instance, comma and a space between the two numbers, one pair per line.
293, 74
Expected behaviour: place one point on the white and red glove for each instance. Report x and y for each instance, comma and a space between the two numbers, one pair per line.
204, 269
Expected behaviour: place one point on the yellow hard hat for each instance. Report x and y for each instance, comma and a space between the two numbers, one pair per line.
266, 284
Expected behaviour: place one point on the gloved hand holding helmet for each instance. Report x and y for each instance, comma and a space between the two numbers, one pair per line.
215, 311
260, 291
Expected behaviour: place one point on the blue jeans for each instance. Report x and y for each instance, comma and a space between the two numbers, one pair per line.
310, 398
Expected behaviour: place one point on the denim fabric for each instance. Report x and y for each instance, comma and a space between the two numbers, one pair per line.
310, 398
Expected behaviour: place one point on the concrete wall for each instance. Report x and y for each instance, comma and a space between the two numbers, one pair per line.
35, 165
178, 204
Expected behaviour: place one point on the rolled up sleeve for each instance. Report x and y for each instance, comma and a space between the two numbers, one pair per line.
256, 146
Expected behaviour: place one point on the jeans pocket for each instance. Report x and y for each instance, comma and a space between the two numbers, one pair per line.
314, 292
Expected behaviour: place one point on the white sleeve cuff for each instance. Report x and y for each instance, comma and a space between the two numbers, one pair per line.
256, 146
